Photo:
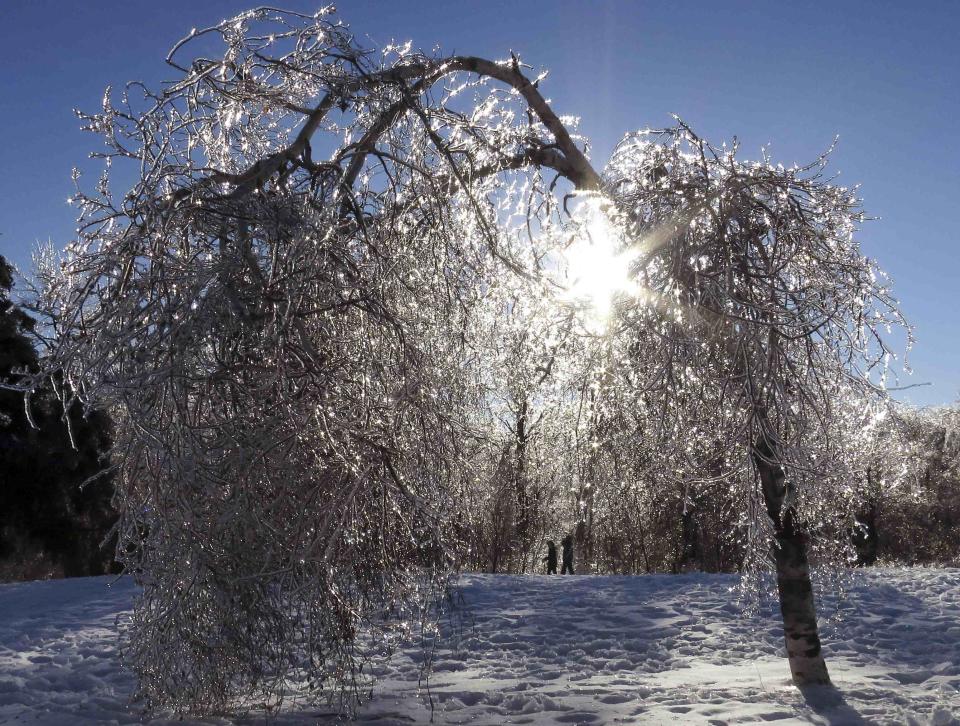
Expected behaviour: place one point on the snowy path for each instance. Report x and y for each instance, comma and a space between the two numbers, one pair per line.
574, 650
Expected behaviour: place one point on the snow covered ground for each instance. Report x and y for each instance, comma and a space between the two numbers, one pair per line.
556, 650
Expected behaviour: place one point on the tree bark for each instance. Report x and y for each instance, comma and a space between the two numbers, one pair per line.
520, 472
800, 631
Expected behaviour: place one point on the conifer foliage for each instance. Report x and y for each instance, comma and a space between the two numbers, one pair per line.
50, 525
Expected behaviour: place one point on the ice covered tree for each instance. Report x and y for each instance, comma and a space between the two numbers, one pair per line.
277, 314
278, 334
910, 487
756, 318
526, 343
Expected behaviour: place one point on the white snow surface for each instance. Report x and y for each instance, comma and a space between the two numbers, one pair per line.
553, 650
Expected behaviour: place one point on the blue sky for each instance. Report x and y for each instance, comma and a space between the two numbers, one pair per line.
881, 75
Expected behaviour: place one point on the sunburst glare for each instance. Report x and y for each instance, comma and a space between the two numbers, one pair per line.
598, 268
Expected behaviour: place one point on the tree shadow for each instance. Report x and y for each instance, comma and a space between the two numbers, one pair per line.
827, 701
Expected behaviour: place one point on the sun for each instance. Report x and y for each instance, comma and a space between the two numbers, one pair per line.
597, 268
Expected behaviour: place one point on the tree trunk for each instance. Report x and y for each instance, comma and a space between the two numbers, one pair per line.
799, 613
793, 573
520, 482
689, 545
864, 533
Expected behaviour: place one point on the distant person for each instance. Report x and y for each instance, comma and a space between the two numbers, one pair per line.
551, 558
567, 568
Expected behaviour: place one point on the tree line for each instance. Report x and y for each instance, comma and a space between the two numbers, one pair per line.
55, 510
907, 506
904, 509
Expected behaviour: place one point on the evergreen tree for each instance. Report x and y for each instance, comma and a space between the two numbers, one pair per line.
49, 524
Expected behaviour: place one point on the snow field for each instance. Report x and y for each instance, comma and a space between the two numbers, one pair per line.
554, 650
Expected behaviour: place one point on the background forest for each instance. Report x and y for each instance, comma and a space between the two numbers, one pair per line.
55, 512
536, 476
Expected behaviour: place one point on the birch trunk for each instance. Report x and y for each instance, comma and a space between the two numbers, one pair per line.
800, 630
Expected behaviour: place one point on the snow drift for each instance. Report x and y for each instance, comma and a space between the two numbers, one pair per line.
553, 650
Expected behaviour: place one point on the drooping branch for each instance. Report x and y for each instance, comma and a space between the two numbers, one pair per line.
569, 162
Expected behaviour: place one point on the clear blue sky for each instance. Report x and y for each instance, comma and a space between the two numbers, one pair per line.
881, 75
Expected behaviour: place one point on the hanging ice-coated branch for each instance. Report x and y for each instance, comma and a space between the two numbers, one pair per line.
279, 338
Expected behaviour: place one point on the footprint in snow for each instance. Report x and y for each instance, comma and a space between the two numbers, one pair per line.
615, 698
